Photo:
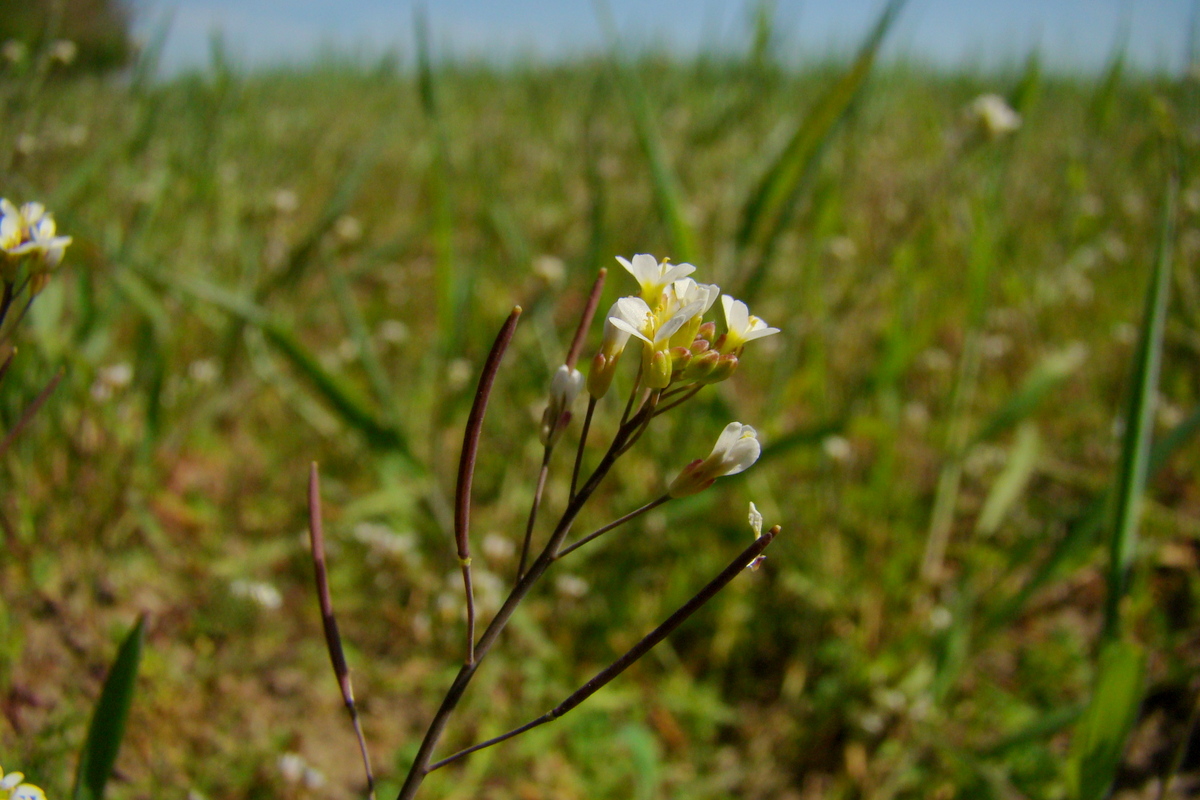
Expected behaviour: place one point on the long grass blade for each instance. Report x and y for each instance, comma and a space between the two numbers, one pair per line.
1134, 464
769, 206
107, 728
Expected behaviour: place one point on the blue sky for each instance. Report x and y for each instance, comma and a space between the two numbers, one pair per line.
1072, 34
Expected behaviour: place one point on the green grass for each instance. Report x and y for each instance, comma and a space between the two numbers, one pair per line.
262, 337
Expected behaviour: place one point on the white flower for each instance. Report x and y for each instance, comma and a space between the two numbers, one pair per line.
29, 229
13, 787
737, 448
994, 115
652, 276
683, 294
604, 364
743, 326
564, 388
647, 326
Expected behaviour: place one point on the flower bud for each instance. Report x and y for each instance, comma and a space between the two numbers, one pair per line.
656, 369
736, 450
701, 366
564, 388
726, 365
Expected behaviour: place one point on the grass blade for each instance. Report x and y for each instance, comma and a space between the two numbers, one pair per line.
769, 206
1099, 740
1043, 380
108, 719
1011, 483
354, 411
1134, 464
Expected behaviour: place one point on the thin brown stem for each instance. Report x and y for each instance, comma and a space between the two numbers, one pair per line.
585, 321
633, 393
604, 676
466, 467
583, 437
614, 524
420, 765
537, 502
645, 413
688, 396
333, 639
37, 403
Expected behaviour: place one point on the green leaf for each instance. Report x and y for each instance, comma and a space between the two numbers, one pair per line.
1022, 458
1045, 378
1134, 464
1100, 737
108, 719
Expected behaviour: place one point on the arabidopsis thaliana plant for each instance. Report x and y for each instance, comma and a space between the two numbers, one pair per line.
652, 276
737, 448
743, 326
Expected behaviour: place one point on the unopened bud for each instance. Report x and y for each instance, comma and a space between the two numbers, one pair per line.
700, 346
600, 375
657, 369
701, 366
707, 331
726, 366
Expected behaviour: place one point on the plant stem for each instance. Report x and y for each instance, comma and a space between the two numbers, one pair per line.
583, 437
604, 676
333, 639
537, 502
420, 766
615, 523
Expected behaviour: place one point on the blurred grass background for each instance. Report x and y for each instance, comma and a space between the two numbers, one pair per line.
281, 266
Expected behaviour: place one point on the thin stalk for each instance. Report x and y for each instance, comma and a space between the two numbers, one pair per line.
6, 301
37, 403
646, 411
333, 639
604, 676
615, 523
8, 359
690, 394
420, 766
466, 467
585, 321
537, 502
583, 437
633, 393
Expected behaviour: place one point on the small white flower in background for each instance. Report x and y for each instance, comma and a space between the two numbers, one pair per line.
458, 372
571, 586
756, 521
30, 230
348, 229
737, 448
994, 115
285, 201
653, 276
564, 388
743, 326
203, 370
259, 592
63, 51
295, 769
393, 331
14, 52
551, 269
13, 787
838, 448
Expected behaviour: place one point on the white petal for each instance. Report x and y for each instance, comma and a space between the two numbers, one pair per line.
645, 268
673, 272
737, 315
732, 432
759, 333
621, 324
756, 520
742, 455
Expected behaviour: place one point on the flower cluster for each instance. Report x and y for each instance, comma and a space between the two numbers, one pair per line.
28, 235
13, 787
678, 346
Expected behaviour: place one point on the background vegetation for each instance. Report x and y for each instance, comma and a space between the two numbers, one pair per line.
276, 267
